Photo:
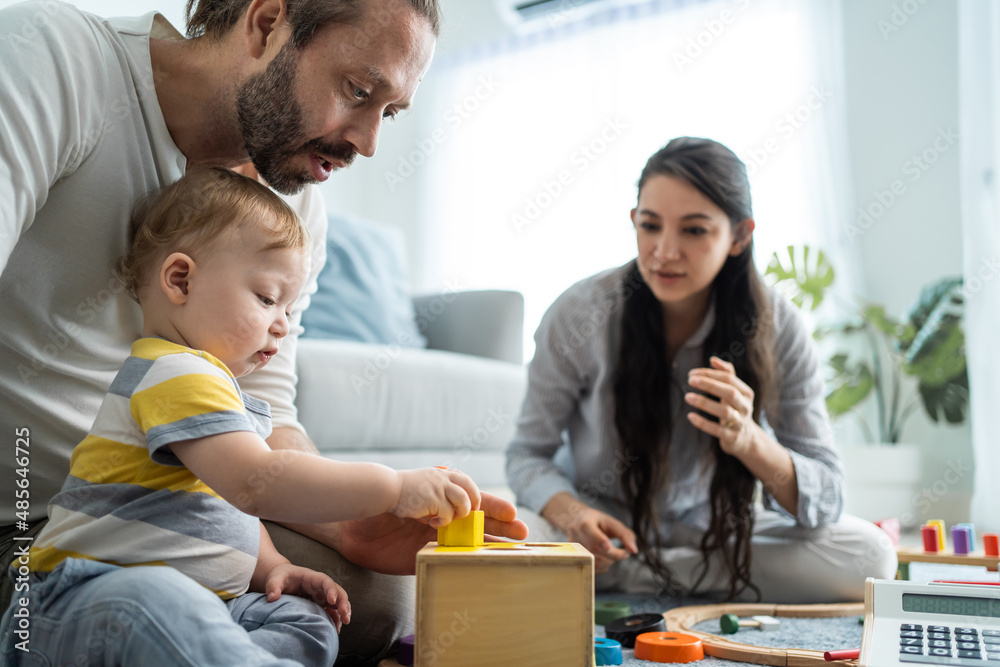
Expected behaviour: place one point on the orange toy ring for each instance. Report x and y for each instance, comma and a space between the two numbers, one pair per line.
668, 647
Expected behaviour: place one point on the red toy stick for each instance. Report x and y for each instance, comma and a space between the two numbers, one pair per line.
846, 654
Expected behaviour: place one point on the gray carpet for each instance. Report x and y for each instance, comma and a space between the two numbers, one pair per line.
807, 633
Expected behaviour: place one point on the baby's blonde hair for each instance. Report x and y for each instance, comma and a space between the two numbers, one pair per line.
195, 213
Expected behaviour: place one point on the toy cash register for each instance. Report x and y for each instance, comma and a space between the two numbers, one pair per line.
930, 624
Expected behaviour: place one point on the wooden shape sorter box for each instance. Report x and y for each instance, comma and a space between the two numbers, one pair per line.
504, 604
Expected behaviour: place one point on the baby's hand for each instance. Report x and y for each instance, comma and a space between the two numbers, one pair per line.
436, 495
312, 585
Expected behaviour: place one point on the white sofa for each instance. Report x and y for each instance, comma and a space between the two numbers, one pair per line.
453, 404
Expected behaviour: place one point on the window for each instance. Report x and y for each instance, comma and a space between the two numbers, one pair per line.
542, 140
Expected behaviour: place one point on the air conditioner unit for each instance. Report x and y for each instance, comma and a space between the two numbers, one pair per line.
528, 14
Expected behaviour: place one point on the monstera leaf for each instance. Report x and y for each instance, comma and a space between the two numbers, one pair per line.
851, 385
935, 317
804, 275
950, 399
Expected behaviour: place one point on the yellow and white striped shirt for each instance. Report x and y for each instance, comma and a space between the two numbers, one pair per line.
129, 501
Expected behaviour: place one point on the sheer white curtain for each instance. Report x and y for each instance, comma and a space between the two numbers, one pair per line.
979, 60
541, 140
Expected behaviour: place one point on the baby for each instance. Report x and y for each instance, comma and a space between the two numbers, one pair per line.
154, 552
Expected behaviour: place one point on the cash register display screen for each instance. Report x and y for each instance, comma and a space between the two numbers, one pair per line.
951, 604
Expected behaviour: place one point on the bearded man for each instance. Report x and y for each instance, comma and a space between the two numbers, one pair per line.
94, 114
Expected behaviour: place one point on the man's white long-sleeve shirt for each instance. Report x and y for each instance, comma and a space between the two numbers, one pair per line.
82, 137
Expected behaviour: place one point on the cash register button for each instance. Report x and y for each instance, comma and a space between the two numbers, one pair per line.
939, 635
965, 631
910, 641
989, 639
939, 643
969, 654
992, 656
991, 633
968, 646
912, 649
910, 626
940, 651
914, 634
938, 628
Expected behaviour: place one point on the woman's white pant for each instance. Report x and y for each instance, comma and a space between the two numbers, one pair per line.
789, 563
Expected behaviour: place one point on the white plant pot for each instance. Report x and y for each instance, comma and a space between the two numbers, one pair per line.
883, 481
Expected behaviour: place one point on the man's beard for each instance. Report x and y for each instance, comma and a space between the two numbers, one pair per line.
271, 123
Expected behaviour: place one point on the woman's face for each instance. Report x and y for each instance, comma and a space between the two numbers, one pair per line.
683, 240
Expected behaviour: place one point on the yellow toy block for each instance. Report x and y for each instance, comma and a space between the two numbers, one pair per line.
467, 532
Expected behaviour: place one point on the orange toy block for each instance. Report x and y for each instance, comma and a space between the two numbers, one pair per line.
465, 532
991, 544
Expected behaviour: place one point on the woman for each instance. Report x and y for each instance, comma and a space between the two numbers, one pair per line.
680, 382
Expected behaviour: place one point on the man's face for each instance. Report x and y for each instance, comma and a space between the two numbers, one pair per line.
311, 110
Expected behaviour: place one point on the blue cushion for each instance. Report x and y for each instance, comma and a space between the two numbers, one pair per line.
363, 290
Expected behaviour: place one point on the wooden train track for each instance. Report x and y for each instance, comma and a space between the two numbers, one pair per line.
683, 619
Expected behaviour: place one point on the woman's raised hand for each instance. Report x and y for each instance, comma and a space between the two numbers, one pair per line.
591, 528
728, 398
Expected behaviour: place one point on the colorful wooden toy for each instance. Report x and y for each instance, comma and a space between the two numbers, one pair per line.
972, 534
991, 544
730, 624
891, 528
941, 534
405, 655
668, 647
683, 619
625, 630
464, 532
930, 535
960, 537
606, 611
607, 651
504, 604
907, 555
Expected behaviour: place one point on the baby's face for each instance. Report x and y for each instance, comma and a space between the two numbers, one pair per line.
240, 298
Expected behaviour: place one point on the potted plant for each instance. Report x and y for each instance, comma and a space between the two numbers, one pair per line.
918, 361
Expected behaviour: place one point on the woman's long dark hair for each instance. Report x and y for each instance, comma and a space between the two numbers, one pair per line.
743, 334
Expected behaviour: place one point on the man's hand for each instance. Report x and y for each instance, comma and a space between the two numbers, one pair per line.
388, 544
